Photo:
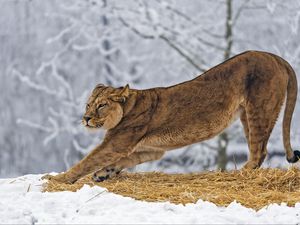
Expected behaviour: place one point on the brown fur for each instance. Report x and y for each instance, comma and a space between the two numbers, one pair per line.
143, 124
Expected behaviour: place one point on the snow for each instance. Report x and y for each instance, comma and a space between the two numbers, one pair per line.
22, 202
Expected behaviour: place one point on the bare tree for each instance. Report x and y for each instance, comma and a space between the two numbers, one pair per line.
59, 50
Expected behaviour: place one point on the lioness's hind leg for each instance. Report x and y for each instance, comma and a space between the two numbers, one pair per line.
261, 117
244, 121
130, 161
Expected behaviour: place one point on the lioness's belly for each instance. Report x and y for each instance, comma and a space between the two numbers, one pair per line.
169, 138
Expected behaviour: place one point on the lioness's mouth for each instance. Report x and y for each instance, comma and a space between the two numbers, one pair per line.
94, 127
87, 124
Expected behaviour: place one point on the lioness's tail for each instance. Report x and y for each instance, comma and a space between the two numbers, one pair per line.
291, 97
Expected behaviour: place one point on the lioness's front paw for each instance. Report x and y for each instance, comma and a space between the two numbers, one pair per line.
47, 177
59, 178
105, 174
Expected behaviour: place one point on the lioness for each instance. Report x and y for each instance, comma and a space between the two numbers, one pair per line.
143, 124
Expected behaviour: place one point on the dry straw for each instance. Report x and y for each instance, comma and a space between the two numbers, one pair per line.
252, 188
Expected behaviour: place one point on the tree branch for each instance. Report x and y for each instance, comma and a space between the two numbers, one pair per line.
209, 146
166, 40
239, 11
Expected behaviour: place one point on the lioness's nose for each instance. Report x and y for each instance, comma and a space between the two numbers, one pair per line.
87, 118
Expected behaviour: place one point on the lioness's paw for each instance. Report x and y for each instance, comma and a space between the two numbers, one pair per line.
59, 178
105, 174
47, 177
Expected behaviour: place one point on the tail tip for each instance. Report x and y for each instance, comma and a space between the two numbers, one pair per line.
295, 158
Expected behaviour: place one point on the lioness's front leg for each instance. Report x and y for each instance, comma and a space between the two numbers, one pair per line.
127, 162
117, 144
103, 155
97, 159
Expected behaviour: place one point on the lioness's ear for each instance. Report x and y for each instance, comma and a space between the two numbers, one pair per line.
99, 85
125, 91
122, 96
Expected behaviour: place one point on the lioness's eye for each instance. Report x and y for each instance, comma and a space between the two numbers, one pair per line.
101, 105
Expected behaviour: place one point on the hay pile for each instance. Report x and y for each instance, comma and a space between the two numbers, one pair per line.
252, 188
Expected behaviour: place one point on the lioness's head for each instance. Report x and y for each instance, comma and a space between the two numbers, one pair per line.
105, 107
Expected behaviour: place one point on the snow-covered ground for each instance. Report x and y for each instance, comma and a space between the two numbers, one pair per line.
22, 202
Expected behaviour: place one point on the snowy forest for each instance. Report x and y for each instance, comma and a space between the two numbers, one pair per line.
53, 53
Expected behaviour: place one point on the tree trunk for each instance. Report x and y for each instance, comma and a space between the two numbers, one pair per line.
107, 47
222, 148
228, 32
223, 139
